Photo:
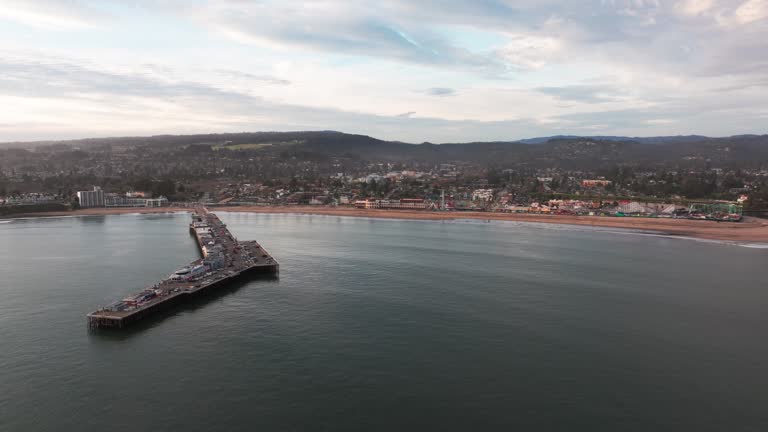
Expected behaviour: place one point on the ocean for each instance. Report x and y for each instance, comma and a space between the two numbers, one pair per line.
385, 325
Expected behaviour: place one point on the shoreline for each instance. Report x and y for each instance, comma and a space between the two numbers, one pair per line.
96, 212
750, 230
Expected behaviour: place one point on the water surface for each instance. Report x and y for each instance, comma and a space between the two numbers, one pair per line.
385, 325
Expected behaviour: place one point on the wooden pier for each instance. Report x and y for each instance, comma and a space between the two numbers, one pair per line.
223, 261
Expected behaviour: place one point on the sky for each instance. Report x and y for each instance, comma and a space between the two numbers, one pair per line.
409, 70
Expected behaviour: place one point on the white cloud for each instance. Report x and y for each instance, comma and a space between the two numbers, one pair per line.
752, 10
530, 52
511, 68
46, 14
694, 7
659, 121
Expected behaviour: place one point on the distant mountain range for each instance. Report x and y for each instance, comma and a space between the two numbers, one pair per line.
238, 138
648, 140
569, 152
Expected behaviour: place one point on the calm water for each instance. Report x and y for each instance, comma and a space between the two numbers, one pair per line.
386, 325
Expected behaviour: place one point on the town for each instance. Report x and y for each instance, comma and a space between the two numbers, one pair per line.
290, 172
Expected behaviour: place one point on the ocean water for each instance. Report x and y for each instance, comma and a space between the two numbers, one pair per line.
385, 325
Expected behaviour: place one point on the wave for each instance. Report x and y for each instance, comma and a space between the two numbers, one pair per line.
748, 245
754, 245
614, 230
41, 217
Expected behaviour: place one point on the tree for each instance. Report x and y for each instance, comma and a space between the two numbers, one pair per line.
758, 200
164, 188
143, 184
493, 176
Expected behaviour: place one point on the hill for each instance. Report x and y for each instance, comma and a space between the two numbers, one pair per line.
568, 152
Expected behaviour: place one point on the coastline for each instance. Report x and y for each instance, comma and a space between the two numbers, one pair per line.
97, 212
750, 230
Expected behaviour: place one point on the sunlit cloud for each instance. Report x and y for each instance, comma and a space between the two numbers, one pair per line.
449, 70
52, 15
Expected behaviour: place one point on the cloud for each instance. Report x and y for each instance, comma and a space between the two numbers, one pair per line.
264, 79
60, 94
752, 10
529, 52
749, 84
583, 93
659, 121
725, 13
694, 7
522, 66
685, 36
532, 34
336, 27
70, 98
58, 78
440, 91
48, 14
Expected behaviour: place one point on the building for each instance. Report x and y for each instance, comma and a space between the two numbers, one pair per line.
30, 199
408, 203
214, 261
482, 195
117, 201
595, 183
633, 207
716, 210
512, 208
156, 202
403, 204
94, 198
368, 204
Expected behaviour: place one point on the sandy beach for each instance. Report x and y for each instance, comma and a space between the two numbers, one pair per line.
750, 230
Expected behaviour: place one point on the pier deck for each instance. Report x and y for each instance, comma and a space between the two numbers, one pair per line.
223, 260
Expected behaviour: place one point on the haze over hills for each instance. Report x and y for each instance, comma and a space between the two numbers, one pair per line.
648, 140
265, 136
558, 151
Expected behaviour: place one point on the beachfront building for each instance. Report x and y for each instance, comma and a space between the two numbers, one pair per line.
402, 204
514, 208
156, 202
92, 198
117, 201
367, 204
716, 210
